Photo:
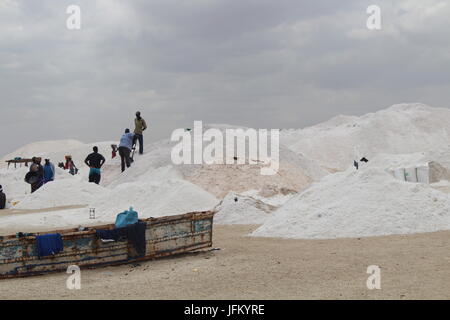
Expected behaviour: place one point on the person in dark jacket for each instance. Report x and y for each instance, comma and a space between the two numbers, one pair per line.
125, 146
140, 127
37, 171
49, 171
2, 198
95, 161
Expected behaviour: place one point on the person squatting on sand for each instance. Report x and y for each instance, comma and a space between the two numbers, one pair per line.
2, 198
125, 146
49, 171
140, 126
70, 165
95, 161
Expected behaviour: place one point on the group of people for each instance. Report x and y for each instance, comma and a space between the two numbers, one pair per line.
127, 144
39, 174
129, 141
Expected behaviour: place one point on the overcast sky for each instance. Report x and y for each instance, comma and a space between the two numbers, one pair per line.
257, 63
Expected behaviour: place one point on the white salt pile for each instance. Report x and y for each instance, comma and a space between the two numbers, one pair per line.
403, 128
367, 202
13, 185
222, 179
152, 186
155, 199
48, 221
62, 192
241, 209
302, 201
296, 172
16, 189
271, 195
149, 200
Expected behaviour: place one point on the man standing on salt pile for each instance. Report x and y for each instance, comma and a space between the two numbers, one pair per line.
125, 146
49, 171
140, 126
2, 198
95, 161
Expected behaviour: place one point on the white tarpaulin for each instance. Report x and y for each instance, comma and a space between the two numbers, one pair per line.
399, 174
423, 174
410, 174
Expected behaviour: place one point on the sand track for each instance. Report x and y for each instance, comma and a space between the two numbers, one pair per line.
413, 267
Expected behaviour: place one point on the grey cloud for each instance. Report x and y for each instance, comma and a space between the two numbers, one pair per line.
259, 63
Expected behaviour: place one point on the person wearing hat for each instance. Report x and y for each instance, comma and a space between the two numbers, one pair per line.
2, 198
140, 127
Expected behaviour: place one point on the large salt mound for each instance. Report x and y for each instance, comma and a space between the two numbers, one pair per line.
16, 189
403, 128
296, 172
62, 192
13, 185
222, 179
367, 202
151, 199
155, 161
155, 199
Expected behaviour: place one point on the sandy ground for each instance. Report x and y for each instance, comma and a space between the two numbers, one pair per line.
412, 267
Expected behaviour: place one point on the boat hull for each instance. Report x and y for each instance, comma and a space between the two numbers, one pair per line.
165, 236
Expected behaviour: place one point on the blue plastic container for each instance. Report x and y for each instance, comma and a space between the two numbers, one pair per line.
126, 218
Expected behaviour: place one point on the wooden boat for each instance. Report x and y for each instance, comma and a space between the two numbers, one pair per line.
165, 236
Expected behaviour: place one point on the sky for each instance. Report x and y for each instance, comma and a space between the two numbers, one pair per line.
255, 63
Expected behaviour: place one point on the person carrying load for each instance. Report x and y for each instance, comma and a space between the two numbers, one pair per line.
35, 176
95, 161
125, 146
